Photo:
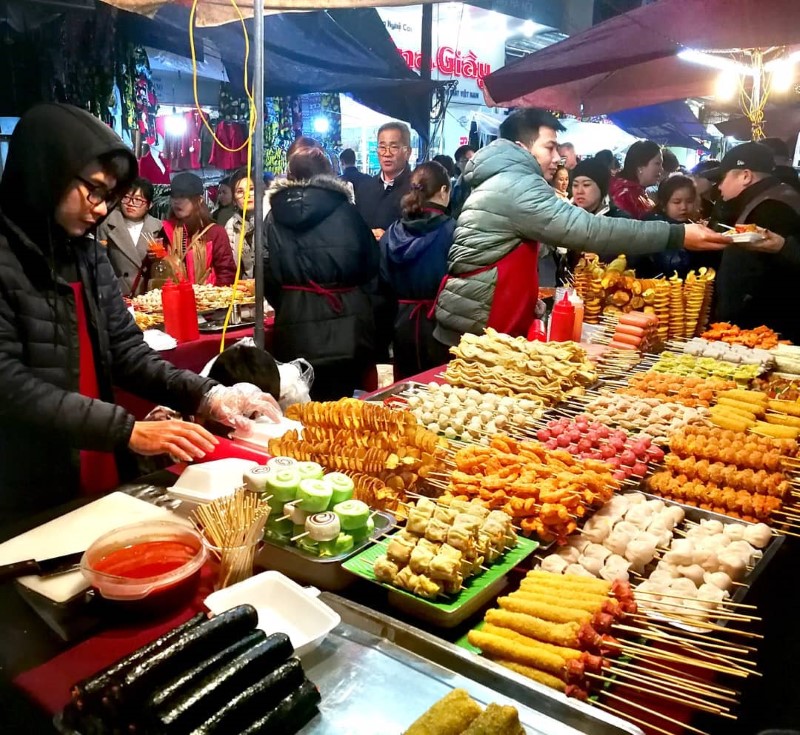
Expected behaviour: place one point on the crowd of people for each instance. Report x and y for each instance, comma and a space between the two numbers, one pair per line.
359, 269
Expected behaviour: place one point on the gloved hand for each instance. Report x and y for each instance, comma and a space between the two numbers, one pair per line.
238, 405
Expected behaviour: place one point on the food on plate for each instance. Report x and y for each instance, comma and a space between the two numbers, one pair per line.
542, 372
547, 490
736, 353
705, 367
442, 546
651, 416
386, 452
209, 676
690, 391
621, 538
470, 415
736, 474
760, 337
626, 455
451, 715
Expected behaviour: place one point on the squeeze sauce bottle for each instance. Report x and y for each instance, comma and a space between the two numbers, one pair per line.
577, 304
180, 311
562, 321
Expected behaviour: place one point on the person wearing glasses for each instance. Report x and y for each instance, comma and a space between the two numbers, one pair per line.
378, 198
66, 336
126, 234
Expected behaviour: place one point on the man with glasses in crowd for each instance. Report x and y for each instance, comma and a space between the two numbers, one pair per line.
378, 198
126, 234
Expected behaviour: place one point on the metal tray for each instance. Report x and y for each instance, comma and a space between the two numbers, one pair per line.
393, 390
327, 573
377, 675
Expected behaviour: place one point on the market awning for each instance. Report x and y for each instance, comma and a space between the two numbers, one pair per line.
218, 12
670, 123
334, 51
630, 60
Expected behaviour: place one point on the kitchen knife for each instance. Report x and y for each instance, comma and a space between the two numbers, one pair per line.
44, 567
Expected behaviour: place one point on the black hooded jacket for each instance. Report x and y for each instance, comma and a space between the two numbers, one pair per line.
315, 235
44, 421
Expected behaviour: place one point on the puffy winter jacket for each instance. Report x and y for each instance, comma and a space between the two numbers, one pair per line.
630, 197
511, 203
413, 263
316, 239
44, 421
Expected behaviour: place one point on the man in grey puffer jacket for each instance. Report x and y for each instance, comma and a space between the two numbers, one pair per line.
493, 265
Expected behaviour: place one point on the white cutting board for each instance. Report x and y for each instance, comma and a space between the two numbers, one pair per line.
76, 531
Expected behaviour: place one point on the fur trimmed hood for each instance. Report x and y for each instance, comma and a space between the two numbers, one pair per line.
323, 181
302, 205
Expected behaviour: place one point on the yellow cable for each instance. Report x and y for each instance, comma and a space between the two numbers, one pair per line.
248, 143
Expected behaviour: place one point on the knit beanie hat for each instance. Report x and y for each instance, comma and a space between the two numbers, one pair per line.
597, 171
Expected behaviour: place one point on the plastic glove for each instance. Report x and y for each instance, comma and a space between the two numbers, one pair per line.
238, 405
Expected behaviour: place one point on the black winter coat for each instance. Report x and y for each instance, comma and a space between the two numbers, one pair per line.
316, 238
44, 421
413, 264
378, 205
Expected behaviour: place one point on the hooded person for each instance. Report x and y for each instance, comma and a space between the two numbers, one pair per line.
413, 262
66, 337
320, 272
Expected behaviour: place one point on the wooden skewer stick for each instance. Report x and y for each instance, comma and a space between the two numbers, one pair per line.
655, 713
657, 692
696, 694
702, 638
647, 652
669, 637
657, 668
631, 718
682, 597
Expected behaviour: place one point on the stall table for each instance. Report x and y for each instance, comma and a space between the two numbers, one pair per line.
42, 665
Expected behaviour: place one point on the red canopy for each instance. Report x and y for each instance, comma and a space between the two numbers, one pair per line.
630, 60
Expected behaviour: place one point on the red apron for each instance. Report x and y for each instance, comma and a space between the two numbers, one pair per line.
98, 470
423, 308
329, 293
516, 293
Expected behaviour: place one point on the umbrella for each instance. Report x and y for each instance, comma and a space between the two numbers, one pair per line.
217, 12
631, 60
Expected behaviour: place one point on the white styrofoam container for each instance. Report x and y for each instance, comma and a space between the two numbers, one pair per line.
202, 483
283, 607
263, 431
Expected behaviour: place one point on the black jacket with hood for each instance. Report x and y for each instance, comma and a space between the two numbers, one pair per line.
315, 235
413, 264
44, 421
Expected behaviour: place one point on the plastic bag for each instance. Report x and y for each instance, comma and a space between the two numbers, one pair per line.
297, 377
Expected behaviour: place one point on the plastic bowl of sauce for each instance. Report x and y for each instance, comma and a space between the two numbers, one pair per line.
153, 564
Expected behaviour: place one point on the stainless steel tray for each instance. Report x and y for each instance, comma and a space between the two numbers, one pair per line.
327, 573
377, 675
393, 390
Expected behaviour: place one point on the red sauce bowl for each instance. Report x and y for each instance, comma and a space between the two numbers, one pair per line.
153, 564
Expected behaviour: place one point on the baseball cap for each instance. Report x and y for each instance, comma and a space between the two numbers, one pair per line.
752, 156
186, 185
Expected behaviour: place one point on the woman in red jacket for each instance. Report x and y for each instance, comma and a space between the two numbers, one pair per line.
644, 167
203, 245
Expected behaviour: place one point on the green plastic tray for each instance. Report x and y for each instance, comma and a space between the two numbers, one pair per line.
361, 565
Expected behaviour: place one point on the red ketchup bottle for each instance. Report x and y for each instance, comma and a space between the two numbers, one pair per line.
537, 332
562, 321
180, 311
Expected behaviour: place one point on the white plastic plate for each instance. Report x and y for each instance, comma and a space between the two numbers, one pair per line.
283, 607
202, 483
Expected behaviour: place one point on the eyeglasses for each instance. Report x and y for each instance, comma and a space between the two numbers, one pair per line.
137, 201
97, 193
392, 148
